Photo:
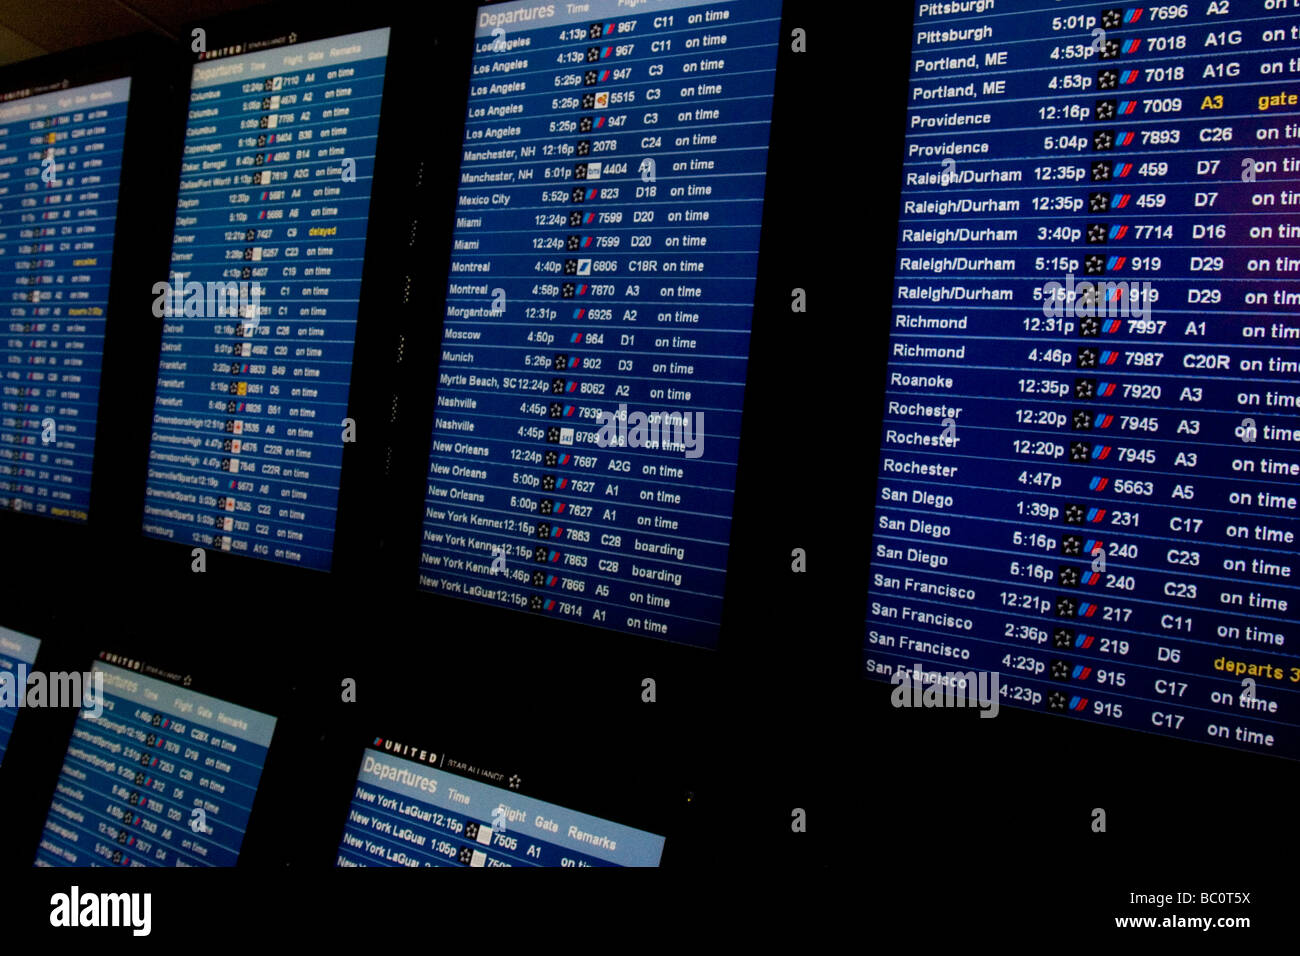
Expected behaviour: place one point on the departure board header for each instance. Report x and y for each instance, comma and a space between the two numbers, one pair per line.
405, 813
527, 15
332, 52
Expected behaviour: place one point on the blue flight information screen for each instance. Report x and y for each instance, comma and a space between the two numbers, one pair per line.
598, 311
60, 165
1087, 478
163, 776
261, 307
409, 809
17, 654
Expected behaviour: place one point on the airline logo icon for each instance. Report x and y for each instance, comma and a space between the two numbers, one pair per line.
1061, 702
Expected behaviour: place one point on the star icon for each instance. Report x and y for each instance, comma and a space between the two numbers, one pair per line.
1105, 109
1098, 202
1103, 140
1060, 670
1063, 638
514, 781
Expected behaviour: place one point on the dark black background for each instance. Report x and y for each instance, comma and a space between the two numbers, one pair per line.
919, 817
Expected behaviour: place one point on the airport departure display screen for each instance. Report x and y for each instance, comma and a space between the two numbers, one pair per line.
163, 776
1087, 480
17, 654
408, 809
598, 311
60, 164
261, 307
